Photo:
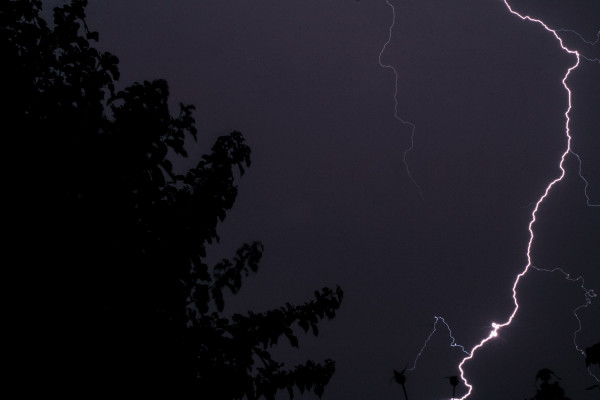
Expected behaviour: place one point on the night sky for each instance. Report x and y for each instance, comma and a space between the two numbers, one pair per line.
330, 196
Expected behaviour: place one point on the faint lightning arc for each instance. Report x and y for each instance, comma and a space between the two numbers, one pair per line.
589, 294
396, 115
581, 37
496, 327
585, 181
452, 344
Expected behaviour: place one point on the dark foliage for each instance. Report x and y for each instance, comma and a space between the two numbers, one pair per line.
400, 378
548, 388
113, 240
454, 383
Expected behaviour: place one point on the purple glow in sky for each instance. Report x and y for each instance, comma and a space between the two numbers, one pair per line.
413, 152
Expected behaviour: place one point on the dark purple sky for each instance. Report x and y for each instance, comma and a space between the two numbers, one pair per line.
330, 197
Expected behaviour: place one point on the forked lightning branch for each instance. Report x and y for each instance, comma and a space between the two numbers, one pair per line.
496, 327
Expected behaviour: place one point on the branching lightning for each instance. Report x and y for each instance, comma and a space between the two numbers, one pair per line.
585, 181
496, 327
452, 344
396, 115
591, 43
589, 294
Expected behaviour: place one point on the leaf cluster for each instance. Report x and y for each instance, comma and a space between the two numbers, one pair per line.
246, 339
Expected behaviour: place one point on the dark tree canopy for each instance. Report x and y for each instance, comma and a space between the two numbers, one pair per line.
115, 240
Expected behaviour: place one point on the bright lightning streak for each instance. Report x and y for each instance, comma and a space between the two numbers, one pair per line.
589, 294
496, 327
396, 115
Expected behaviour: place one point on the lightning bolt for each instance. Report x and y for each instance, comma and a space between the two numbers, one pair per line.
452, 344
591, 43
411, 125
589, 294
496, 327
585, 181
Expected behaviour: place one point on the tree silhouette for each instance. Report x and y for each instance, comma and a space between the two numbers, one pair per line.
454, 383
400, 378
115, 238
548, 389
